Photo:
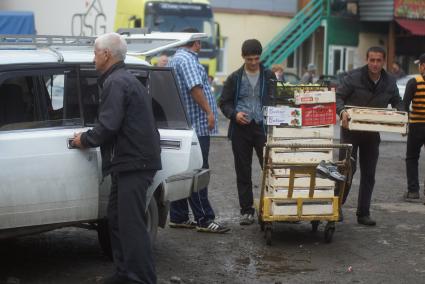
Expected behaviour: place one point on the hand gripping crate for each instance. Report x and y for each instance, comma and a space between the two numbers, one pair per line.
291, 191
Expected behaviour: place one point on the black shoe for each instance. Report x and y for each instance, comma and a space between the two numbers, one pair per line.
330, 171
366, 220
246, 219
410, 195
115, 279
189, 224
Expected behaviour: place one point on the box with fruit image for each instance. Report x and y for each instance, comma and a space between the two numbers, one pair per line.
318, 114
283, 115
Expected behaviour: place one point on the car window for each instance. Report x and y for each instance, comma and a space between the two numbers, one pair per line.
291, 78
167, 104
405, 79
31, 100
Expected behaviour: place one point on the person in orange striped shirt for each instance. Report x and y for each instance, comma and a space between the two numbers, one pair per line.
415, 95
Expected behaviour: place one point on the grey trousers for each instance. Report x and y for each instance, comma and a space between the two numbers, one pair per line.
130, 240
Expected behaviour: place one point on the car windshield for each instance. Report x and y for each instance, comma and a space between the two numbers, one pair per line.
405, 79
174, 17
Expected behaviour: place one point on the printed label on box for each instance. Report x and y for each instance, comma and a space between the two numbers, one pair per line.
314, 97
283, 115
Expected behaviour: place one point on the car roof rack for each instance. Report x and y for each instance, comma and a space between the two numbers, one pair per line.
54, 43
130, 31
46, 40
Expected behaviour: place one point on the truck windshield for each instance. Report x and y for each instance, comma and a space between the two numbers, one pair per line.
175, 17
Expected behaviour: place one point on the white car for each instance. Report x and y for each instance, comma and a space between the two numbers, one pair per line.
402, 82
48, 91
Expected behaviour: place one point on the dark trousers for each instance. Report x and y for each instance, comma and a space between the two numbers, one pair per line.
198, 201
366, 145
130, 240
415, 141
245, 138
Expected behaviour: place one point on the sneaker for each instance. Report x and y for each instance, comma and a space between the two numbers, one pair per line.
408, 196
330, 171
246, 219
366, 220
189, 224
213, 227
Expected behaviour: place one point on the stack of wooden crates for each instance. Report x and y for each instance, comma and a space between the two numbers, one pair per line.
296, 143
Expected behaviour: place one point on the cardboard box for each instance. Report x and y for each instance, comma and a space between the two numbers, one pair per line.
283, 115
318, 114
314, 97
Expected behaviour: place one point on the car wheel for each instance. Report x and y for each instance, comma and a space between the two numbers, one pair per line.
151, 226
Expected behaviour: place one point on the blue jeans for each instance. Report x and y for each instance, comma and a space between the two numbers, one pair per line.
198, 201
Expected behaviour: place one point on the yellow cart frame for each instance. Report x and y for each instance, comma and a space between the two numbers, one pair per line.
266, 218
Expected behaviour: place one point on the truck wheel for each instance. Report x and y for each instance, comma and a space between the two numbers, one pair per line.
151, 225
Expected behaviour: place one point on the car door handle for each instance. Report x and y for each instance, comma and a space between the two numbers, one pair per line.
69, 143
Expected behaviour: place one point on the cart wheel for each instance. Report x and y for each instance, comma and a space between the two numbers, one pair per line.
314, 226
268, 236
329, 232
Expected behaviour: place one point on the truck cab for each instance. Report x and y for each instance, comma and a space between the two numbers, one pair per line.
173, 16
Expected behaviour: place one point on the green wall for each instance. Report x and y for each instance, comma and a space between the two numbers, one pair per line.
343, 31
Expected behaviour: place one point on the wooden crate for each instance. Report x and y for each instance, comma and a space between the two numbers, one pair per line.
304, 132
377, 119
308, 208
301, 193
308, 157
299, 182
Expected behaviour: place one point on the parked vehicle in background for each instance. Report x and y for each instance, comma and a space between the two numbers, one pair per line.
402, 82
291, 78
173, 16
48, 92
328, 80
17, 22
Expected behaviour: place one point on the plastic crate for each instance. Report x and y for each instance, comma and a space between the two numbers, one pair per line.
318, 114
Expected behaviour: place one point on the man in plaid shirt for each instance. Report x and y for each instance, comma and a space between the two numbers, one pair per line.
202, 110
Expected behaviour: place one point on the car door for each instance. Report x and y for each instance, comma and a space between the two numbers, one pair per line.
180, 150
43, 181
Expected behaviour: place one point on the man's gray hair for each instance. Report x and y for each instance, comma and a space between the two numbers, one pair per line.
113, 42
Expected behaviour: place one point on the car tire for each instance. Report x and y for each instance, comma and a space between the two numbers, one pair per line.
151, 225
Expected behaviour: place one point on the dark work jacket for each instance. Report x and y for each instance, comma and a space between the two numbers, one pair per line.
126, 130
230, 93
357, 89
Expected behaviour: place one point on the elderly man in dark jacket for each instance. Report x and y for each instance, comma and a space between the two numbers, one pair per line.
368, 86
130, 147
244, 94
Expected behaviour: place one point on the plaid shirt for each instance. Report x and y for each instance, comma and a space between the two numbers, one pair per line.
191, 73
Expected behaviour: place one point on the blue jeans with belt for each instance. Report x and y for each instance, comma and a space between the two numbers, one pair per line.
198, 201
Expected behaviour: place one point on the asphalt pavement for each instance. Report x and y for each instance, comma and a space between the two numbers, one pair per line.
391, 252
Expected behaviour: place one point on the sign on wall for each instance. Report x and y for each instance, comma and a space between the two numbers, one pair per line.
410, 9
